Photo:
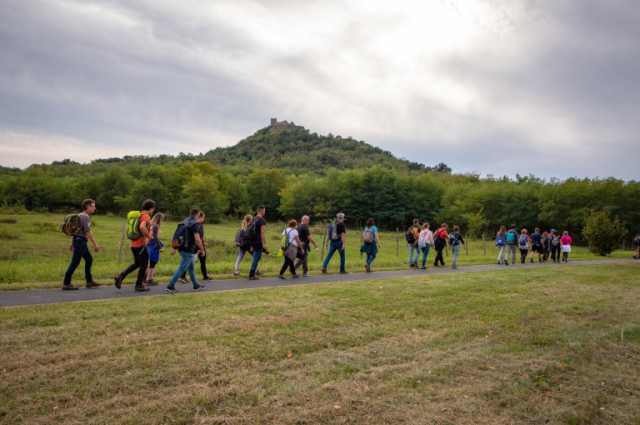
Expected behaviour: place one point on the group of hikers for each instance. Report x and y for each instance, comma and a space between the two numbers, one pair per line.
144, 228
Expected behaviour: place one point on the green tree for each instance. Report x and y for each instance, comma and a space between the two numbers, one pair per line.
603, 234
263, 188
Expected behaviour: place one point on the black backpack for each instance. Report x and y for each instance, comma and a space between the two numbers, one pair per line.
411, 238
181, 235
250, 232
333, 231
438, 242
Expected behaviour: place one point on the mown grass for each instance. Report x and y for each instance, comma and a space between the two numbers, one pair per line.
35, 254
508, 347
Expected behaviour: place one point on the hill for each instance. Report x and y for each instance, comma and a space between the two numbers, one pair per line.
295, 149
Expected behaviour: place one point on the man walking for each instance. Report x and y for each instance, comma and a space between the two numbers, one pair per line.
512, 245
440, 238
413, 237
307, 240
258, 240
191, 243
139, 249
80, 249
536, 245
337, 234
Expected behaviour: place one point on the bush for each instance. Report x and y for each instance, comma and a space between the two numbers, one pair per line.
10, 220
603, 234
9, 234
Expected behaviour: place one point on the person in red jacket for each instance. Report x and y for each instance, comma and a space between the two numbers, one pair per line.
440, 238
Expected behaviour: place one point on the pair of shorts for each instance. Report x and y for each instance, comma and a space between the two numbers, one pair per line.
537, 248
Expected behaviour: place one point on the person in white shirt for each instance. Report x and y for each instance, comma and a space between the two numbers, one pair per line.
290, 254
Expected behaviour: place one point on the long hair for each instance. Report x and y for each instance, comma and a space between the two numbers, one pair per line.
503, 230
157, 219
246, 221
370, 223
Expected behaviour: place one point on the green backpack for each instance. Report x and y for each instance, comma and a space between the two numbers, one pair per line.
69, 225
284, 244
133, 225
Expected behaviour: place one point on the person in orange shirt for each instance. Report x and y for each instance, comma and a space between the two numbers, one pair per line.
139, 249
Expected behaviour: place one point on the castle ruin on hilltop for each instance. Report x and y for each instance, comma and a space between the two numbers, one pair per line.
283, 125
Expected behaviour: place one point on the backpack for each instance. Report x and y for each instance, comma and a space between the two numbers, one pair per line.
500, 240
133, 225
367, 236
511, 238
240, 238
284, 243
438, 242
453, 240
181, 235
555, 241
411, 237
333, 231
250, 232
523, 241
636, 242
69, 225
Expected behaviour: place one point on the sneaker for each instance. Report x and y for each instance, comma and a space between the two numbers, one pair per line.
506, 263
415, 265
92, 284
259, 272
118, 280
344, 272
412, 265
367, 268
324, 271
454, 267
199, 288
281, 276
141, 288
531, 260
69, 287
152, 283
423, 268
207, 279
181, 280
171, 289
236, 273
254, 278
499, 262
436, 265
306, 275
295, 276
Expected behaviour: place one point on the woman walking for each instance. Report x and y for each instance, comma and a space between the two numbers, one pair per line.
425, 243
455, 241
291, 252
500, 242
565, 241
155, 247
545, 246
371, 243
240, 242
524, 243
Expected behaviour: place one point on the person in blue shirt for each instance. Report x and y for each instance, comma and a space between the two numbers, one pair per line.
536, 245
371, 243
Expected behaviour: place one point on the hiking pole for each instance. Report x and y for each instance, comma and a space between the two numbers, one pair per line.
121, 243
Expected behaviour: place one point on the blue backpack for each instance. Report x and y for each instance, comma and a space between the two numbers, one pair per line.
511, 238
500, 240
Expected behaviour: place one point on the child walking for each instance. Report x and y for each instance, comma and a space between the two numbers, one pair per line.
155, 247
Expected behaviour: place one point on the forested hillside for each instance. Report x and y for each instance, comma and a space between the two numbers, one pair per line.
295, 173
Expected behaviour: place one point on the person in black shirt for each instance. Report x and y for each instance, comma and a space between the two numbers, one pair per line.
337, 237
307, 240
259, 243
188, 251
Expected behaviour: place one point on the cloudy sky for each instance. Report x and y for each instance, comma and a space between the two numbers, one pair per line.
500, 87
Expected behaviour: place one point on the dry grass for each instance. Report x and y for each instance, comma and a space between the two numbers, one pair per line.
477, 348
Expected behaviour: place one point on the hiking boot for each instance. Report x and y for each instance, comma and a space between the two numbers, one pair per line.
344, 272
236, 273
69, 287
118, 280
324, 271
171, 289
259, 272
411, 265
295, 276
199, 288
254, 278
531, 260
281, 276
415, 265
423, 268
92, 284
454, 267
141, 288
506, 263
152, 283
181, 280
367, 267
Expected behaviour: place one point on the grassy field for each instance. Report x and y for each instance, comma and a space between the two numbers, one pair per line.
503, 347
35, 254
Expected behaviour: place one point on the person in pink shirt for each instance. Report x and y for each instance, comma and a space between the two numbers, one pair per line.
565, 241
425, 242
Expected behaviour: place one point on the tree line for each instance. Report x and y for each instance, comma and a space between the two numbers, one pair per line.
393, 197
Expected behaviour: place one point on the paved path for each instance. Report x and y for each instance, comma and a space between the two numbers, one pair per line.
54, 296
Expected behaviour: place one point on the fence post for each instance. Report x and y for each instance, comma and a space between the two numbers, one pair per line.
466, 238
484, 245
397, 242
324, 237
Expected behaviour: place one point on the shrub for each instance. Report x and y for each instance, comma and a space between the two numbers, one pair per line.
603, 234
9, 234
10, 220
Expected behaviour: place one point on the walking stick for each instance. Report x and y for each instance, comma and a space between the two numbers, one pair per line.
121, 243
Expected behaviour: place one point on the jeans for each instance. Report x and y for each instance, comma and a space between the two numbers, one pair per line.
501, 255
456, 251
511, 252
439, 257
257, 254
140, 262
186, 263
425, 252
333, 247
203, 267
412, 248
303, 261
240, 257
80, 251
370, 258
